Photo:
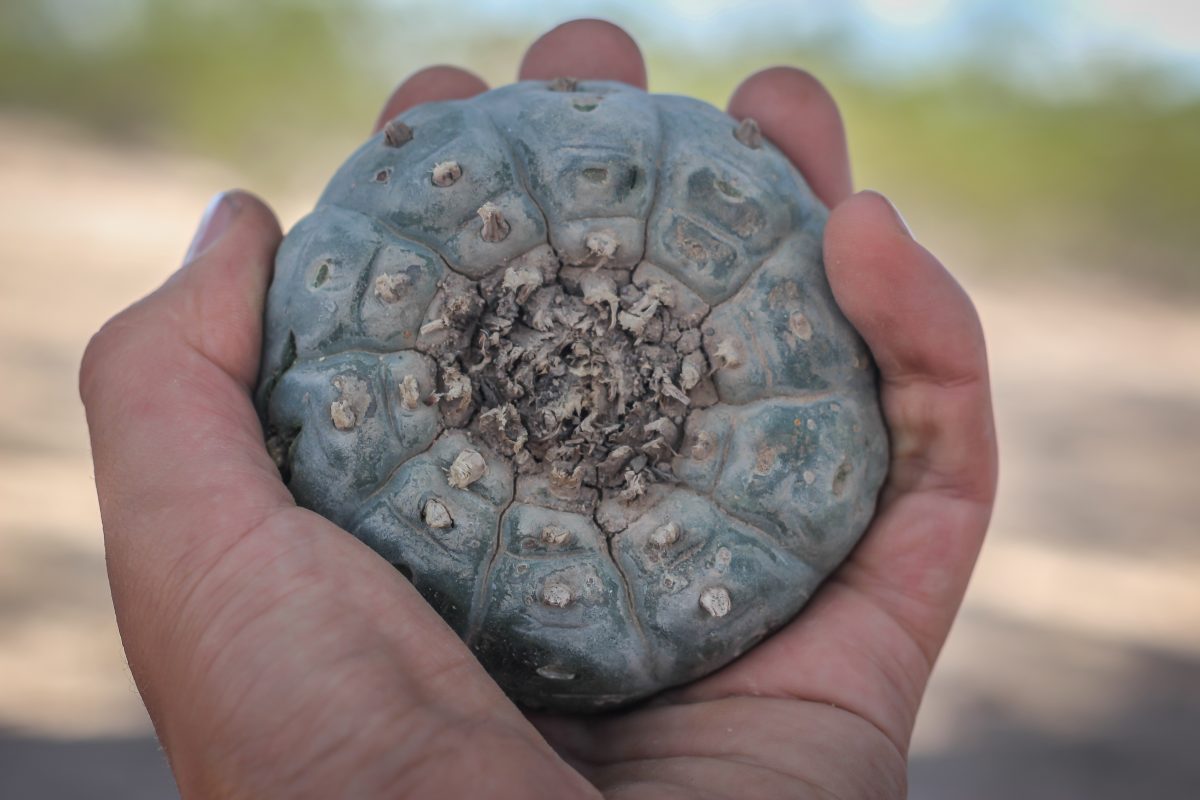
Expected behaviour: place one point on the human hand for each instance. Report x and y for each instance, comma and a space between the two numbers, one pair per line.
279, 657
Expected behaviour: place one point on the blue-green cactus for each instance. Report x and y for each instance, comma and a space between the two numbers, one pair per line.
565, 354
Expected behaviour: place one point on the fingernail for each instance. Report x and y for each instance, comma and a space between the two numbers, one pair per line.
901, 223
220, 212
895, 212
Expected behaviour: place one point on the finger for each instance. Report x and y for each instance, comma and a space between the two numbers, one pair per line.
213, 304
180, 466
166, 383
220, 291
928, 343
428, 85
588, 49
868, 640
799, 116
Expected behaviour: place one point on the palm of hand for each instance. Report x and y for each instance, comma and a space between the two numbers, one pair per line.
279, 657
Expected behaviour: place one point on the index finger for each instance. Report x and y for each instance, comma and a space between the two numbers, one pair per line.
870, 636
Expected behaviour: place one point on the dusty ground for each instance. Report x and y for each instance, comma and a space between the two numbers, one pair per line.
1074, 670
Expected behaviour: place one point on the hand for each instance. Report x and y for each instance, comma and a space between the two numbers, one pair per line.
279, 657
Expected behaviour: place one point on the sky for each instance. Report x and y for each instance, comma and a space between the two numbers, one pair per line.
1050, 38
1165, 27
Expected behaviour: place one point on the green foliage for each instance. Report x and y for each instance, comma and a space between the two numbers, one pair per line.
1109, 179
222, 77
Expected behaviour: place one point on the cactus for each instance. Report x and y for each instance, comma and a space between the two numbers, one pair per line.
565, 354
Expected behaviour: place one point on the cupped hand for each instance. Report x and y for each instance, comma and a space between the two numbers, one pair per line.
279, 657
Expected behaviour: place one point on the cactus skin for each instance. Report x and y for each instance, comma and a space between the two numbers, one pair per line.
760, 450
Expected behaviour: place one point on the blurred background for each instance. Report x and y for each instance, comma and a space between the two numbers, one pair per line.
1049, 152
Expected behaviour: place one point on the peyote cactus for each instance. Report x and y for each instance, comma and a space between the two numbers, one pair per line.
566, 356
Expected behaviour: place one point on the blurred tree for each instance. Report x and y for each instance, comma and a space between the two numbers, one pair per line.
224, 76
1096, 165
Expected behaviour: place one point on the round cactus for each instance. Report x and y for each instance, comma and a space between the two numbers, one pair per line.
565, 355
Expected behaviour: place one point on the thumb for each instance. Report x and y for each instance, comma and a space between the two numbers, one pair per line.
212, 304
165, 383
215, 300
187, 352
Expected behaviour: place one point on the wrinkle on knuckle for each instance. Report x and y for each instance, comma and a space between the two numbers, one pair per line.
941, 429
950, 366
